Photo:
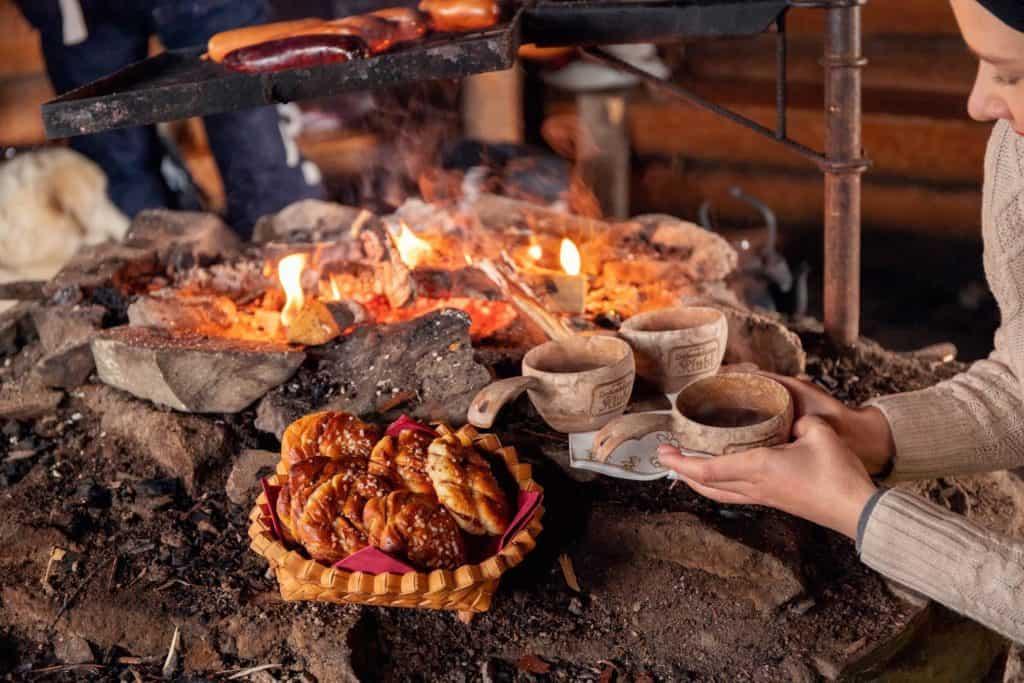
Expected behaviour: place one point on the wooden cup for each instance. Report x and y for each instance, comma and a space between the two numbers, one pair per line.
677, 346
717, 415
577, 384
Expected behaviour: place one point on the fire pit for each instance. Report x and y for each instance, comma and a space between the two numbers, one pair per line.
349, 304
143, 397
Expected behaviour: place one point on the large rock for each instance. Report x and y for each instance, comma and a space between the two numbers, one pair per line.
686, 540
182, 238
191, 373
178, 313
67, 367
327, 648
424, 367
65, 331
71, 648
185, 446
15, 327
57, 325
708, 256
27, 399
758, 339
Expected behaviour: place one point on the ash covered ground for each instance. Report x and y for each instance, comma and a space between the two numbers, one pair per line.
105, 556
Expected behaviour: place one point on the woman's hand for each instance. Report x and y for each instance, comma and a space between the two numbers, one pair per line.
817, 477
865, 431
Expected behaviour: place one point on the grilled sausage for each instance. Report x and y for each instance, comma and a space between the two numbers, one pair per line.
459, 16
410, 24
228, 41
297, 52
378, 34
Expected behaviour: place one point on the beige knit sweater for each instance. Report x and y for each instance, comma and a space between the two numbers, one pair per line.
972, 423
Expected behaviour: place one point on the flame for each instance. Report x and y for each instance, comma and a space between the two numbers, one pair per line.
335, 290
411, 249
535, 252
570, 257
289, 271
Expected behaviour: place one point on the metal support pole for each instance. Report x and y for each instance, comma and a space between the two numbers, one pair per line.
843, 63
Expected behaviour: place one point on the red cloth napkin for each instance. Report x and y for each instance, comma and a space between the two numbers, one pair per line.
528, 502
405, 422
370, 560
270, 508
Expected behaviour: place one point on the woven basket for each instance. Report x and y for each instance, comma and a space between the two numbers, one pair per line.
468, 589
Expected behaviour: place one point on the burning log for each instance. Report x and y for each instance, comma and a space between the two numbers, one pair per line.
525, 300
472, 283
425, 366
191, 373
393, 275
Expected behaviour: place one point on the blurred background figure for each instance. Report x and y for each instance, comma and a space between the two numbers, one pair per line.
83, 40
63, 191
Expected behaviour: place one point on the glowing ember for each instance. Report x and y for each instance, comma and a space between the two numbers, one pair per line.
570, 257
289, 271
411, 248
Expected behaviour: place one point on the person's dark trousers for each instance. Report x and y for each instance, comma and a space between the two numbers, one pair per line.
247, 145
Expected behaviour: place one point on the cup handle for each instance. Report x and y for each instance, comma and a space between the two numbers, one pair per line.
628, 428
492, 398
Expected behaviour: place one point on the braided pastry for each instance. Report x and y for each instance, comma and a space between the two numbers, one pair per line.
465, 485
302, 480
335, 435
419, 526
327, 500
403, 461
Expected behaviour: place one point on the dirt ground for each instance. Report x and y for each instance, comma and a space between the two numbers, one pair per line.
139, 556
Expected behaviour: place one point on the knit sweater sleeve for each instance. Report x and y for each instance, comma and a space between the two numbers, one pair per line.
940, 554
975, 421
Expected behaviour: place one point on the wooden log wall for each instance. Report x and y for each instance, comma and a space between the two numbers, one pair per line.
927, 154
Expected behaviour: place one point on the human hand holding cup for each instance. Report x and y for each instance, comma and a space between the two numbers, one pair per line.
716, 415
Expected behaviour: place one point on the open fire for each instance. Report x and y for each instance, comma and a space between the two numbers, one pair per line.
523, 274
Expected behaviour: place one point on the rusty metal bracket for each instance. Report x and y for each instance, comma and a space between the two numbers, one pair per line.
778, 135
